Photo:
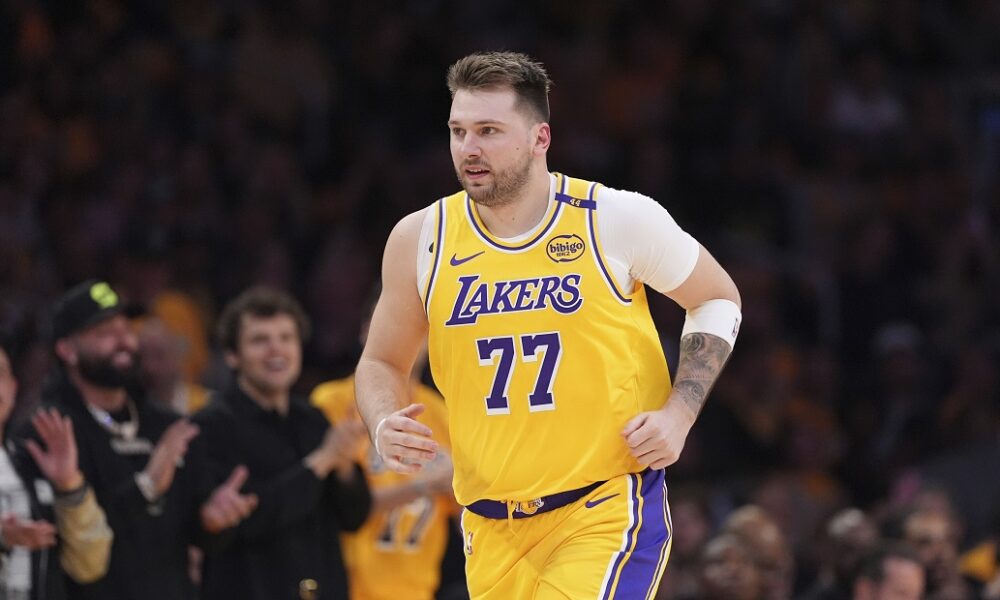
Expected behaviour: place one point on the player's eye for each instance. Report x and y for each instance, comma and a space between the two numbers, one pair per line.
457, 132
489, 130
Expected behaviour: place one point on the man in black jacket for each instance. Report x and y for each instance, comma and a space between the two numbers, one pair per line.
146, 465
42, 494
301, 469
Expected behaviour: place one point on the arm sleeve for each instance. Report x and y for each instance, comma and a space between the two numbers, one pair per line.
85, 535
285, 499
642, 241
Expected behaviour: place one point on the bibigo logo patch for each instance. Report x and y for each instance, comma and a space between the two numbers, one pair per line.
565, 248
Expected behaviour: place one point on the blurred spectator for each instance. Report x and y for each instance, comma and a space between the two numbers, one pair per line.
890, 572
301, 468
160, 360
146, 465
728, 571
50, 523
692, 528
981, 563
850, 535
768, 549
933, 534
893, 426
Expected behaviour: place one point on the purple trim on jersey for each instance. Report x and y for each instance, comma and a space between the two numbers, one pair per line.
486, 237
608, 277
437, 257
634, 501
644, 562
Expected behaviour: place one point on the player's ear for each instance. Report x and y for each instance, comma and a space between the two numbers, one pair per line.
541, 138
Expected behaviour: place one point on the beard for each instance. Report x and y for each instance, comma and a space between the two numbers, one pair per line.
102, 372
505, 187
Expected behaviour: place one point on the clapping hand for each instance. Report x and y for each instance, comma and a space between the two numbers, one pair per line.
168, 453
33, 535
227, 506
338, 449
58, 461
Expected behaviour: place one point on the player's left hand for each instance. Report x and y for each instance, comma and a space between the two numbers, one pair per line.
656, 438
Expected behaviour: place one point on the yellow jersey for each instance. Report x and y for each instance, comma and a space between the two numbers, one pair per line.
395, 554
541, 358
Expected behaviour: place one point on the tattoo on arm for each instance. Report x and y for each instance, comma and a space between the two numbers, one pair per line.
702, 357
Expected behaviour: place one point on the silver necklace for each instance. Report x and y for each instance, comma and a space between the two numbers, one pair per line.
127, 430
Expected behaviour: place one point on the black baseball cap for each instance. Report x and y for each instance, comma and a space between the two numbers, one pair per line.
84, 305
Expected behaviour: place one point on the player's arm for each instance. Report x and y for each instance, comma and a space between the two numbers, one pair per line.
396, 333
713, 309
642, 235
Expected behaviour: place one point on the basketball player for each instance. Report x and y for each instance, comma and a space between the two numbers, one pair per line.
397, 553
530, 285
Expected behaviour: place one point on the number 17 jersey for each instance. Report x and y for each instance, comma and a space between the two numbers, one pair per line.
541, 358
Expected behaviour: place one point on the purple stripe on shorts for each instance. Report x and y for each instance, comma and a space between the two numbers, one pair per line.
642, 565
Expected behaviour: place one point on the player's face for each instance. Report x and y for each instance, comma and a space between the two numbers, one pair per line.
268, 354
8, 387
493, 144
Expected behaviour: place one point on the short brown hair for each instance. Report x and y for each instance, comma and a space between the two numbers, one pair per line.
259, 302
484, 70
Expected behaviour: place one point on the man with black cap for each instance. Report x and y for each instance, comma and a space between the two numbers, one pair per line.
146, 465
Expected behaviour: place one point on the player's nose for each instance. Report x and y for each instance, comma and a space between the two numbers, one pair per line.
470, 146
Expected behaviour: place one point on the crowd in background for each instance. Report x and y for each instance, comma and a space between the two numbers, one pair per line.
839, 159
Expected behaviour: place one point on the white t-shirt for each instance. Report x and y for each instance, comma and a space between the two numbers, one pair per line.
641, 241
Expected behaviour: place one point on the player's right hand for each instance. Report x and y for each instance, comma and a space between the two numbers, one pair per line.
405, 444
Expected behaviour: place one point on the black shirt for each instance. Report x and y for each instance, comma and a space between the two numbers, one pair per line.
293, 535
149, 555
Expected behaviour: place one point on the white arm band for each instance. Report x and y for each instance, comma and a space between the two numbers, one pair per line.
375, 437
720, 318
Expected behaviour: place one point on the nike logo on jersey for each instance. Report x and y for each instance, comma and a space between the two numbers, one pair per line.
593, 503
455, 260
520, 295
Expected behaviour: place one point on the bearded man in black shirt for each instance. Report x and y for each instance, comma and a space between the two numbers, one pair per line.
147, 465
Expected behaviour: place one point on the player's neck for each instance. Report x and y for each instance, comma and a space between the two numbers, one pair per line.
524, 212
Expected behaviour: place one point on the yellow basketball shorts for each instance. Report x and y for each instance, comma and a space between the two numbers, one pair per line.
611, 544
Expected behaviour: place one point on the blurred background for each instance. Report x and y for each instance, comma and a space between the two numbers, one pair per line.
839, 158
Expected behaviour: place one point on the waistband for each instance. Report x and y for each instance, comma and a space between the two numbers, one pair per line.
497, 509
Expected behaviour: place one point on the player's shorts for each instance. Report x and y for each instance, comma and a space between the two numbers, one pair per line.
613, 543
